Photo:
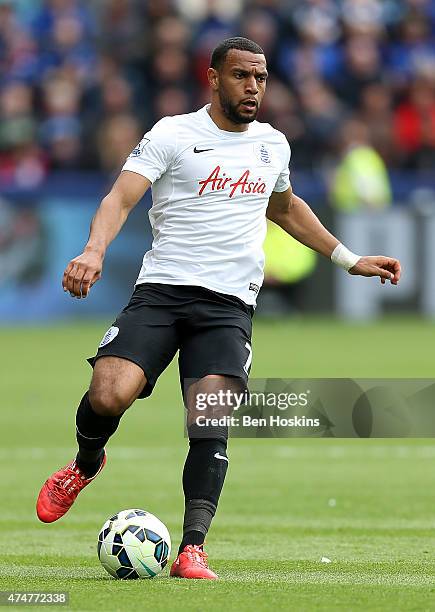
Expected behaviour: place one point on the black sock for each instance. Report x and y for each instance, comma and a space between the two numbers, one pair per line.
203, 478
191, 537
89, 462
92, 433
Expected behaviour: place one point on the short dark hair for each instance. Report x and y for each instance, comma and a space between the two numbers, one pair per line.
237, 42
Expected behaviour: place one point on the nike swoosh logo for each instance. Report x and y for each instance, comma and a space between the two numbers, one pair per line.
217, 456
195, 150
150, 571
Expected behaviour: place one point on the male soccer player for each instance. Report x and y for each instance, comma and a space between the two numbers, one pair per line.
216, 174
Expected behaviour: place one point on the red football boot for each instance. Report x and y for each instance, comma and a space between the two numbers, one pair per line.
59, 492
192, 563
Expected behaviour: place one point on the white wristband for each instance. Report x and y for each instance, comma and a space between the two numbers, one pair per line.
343, 257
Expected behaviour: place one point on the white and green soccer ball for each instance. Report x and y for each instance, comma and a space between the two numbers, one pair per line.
134, 544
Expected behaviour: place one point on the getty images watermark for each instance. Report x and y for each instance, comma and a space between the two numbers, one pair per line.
330, 407
223, 399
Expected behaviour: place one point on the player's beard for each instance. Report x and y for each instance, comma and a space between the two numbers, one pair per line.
230, 110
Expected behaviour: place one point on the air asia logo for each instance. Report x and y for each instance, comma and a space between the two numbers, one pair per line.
218, 182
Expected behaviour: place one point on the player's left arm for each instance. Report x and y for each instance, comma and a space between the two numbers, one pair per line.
296, 218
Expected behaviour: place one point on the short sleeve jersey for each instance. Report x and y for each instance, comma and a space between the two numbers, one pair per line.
210, 190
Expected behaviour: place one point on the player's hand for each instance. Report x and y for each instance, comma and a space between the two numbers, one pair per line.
81, 273
387, 268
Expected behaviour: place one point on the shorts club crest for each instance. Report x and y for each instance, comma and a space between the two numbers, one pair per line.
110, 335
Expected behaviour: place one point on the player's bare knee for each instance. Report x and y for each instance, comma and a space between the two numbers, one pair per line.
212, 396
115, 385
108, 401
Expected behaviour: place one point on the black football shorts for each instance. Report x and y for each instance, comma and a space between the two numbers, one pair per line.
212, 332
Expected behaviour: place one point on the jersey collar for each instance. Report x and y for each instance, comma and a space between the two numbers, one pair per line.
212, 125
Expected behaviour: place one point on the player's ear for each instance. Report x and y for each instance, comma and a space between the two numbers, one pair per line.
213, 78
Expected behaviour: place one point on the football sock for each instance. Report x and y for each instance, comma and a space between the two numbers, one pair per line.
89, 461
203, 478
197, 519
92, 433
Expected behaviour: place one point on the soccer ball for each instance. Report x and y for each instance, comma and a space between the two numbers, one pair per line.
134, 544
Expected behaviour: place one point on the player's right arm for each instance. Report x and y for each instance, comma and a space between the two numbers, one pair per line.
85, 270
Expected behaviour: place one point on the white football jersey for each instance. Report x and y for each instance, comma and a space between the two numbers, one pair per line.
210, 190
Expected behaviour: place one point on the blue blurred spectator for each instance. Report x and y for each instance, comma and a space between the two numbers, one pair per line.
65, 32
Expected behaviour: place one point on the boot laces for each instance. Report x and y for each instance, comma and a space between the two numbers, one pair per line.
197, 555
71, 482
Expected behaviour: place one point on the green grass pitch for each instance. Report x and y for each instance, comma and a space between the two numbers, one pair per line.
275, 520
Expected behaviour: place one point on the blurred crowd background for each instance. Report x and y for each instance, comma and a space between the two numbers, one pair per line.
81, 81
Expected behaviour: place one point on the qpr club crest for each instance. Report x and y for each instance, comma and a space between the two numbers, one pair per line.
263, 154
110, 335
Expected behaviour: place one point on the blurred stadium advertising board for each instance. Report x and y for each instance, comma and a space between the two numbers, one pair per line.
399, 232
39, 234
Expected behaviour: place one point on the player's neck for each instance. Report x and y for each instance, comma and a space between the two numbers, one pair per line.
222, 122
